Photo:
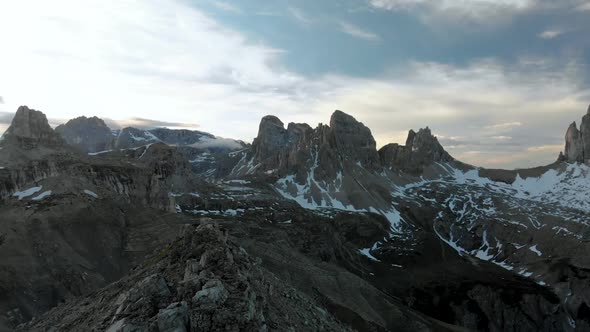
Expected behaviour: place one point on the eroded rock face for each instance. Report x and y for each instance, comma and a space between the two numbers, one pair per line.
577, 142
30, 128
421, 149
87, 134
353, 139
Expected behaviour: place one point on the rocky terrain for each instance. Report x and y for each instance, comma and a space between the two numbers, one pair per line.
307, 229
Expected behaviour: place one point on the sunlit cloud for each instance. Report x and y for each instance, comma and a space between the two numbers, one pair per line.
550, 34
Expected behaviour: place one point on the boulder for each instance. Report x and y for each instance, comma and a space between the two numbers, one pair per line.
174, 318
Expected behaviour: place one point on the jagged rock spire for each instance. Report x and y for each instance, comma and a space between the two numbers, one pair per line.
421, 149
577, 141
30, 128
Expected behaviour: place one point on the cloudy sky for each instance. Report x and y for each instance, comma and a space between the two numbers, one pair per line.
498, 81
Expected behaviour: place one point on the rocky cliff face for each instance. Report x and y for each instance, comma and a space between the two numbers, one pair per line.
421, 149
577, 142
344, 141
86, 134
353, 140
30, 129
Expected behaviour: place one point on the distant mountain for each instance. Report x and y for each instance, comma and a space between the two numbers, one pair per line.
92, 135
86, 134
306, 229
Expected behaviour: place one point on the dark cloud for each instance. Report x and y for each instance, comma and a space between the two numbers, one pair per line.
143, 123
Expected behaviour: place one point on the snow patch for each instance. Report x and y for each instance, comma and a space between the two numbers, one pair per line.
99, 152
90, 193
27, 193
42, 195
535, 250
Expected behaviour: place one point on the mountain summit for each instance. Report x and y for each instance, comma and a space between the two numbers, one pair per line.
577, 142
30, 129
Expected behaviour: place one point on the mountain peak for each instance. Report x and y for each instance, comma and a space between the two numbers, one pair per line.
577, 146
30, 128
88, 134
421, 149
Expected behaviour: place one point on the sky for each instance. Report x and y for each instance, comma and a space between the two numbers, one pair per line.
498, 81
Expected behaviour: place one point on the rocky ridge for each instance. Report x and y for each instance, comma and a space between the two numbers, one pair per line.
201, 282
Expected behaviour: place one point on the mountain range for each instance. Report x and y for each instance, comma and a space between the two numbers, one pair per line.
305, 229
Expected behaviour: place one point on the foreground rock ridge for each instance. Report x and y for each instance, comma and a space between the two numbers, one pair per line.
306, 229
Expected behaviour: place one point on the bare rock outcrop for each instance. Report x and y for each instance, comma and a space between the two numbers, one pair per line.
577, 142
353, 139
201, 282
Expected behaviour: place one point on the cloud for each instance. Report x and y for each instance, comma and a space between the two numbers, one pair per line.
218, 142
546, 148
550, 34
480, 10
1, 100
584, 6
226, 6
142, 123
300, 16
6, 118
358, 32
506, 125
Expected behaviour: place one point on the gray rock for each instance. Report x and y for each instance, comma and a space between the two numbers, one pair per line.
30, 129
87, 134
212, 294
353, 140
421, 149
174, 318
577, 142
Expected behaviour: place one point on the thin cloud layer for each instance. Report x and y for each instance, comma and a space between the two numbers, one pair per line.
142, 123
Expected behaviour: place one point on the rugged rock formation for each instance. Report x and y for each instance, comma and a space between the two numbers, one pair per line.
274, 143
353, 140
344, 143
202, 282
30, 129
86, 134
577, 142
421, 149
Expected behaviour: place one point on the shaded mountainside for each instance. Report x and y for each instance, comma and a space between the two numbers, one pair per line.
307, 229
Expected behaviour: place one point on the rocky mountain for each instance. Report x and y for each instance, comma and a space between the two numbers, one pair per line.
577, 142
86, 134
307, 229
421, 150
30, 129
